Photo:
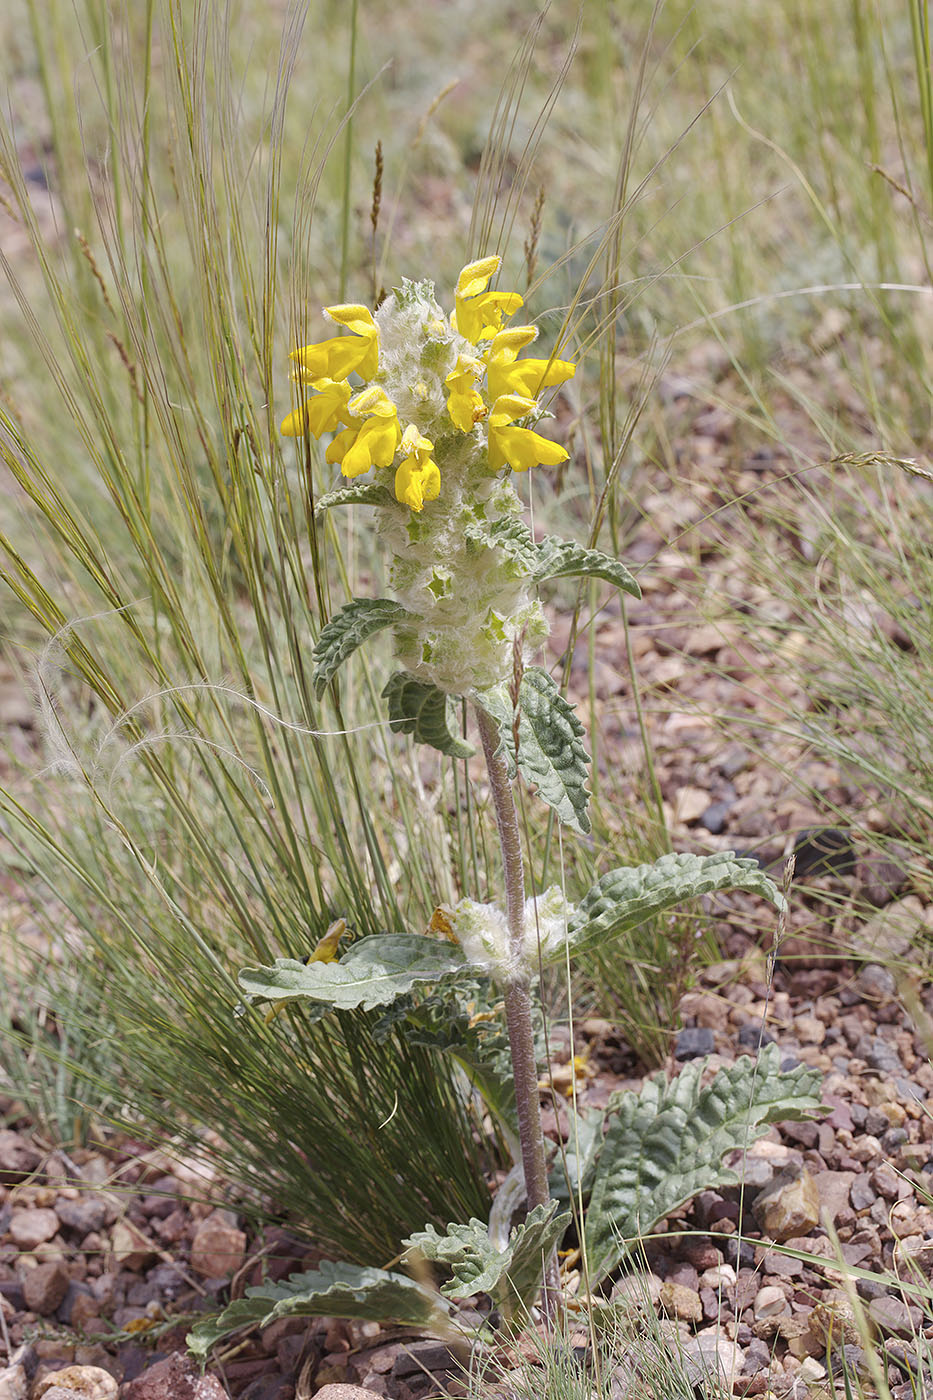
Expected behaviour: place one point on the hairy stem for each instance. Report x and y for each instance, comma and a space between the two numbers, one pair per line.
518, 989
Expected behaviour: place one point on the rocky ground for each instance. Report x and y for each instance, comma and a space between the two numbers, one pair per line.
100, 1250
107, 1254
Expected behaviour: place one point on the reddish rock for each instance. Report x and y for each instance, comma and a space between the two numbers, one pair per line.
44, 1287
175, 1378
131, 1249
30, 1228
18, 1157
218, 1247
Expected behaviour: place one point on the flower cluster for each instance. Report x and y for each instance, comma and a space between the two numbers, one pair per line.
445, 403
427, 380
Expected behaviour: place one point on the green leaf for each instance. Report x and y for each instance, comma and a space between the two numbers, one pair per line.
331, 1290
562, 559
511, 1276
371, 973
550, 748
367, 493
514, 538
420, 709
347, 630
624, 898
667, 1142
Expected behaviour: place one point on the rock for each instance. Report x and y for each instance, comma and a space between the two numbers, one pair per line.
913, 1258
343, 1392
861, 1194
681, 1302
30, 1228
769, 1301
218, 1247
45, 1286
90, 1382
18, 1157
789, 1206
692, 1042
690, 804
886, 1181
131, 1249
705, 1355
893, 931
821, 851
641, 1287
13, 1383
719, 1276
876, 983
894, 1315
753, 1035
811, 1369
84, 1216
176, 1378
834, 1190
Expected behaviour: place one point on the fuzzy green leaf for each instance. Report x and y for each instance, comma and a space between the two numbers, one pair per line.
367, 493
331, 1290
514, 538
347, 630
562, 559
371, 973
420, 709
624, 898
550, 744
667, 1142
511, 1276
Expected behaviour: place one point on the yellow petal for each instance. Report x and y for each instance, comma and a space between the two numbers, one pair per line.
417, 482
474, 278
522, 448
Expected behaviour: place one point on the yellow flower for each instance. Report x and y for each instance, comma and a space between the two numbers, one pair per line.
341, 356
464, 404
519, 447
323, 413
479, 313
418, 479
370, 441
509, 375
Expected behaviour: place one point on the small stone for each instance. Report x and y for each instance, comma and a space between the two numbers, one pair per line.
84, 1216
90, 1382
715, 817
886, 1181
861, 1194
811, 1369
690, 803
810, 1030
218, 1247
704, 1355
875, 983
13, 1383
45, 1286
769, 1301
682, 1302
834, 1190
692, 1042
884, 1058
894, 1315
18, 1157
641, 1287
175, 1378
343, 1392
131, 1249
30, 1228
753, 1035
720, 1276
789, 1206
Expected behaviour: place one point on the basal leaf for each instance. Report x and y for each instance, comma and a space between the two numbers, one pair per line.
624, 898
420, 709
371, 973
666, 1143
367, 493
331, 1290
347, 630
562, 559
511, 1276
